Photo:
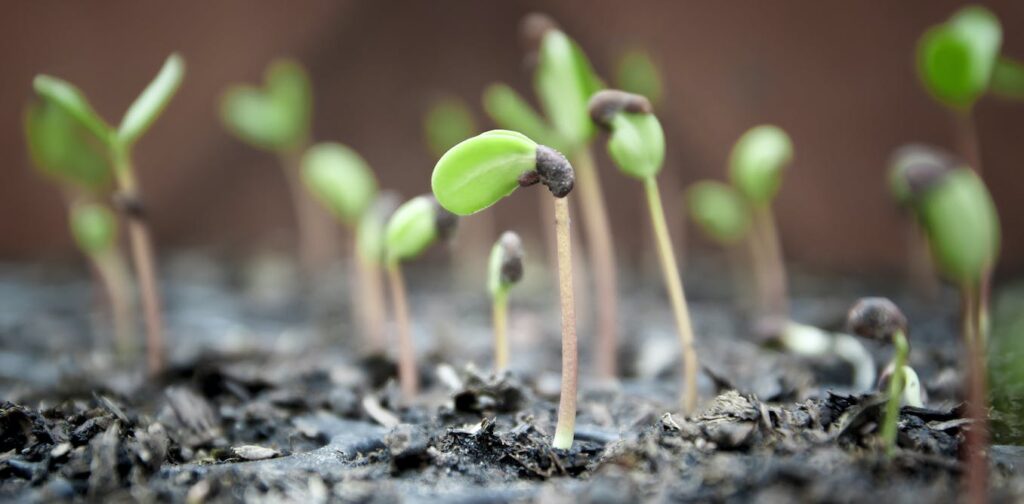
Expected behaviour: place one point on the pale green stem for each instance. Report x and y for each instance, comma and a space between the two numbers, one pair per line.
500, 319
677, 297
116, 282
565, 429
370, 301
892, 407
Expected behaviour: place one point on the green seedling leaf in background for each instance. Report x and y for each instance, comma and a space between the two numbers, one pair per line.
1008, 79
68, 97
757, 161
962, 224
719, 210
510, 111
955, 59
63, 149
914, 167
414, 226
94, 227
340, 179
274, 118
370, 230
151, 103
637, 142
637, 73
505, 267
448, 122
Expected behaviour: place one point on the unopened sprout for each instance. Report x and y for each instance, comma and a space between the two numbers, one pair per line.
880, 319
414, 226
118, 143
637, 145
277, 118
482, 170
504, 269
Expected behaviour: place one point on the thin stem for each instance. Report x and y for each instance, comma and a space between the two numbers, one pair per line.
967, 138
143, 257
565, 429
602, 254
776, 303
674, 285
317, 232
370, 303
896, 384
499, 310
116, 280
407, 375
920, 263
977, 434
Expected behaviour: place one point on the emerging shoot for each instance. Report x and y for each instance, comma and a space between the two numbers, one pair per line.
414, 226
118, 143
637, 145
504, 270
481, 170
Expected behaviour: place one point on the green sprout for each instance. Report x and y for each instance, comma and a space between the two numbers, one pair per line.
370, 252
880, 319
447, 123
277, 118
719, 211
504, 269
637, 145
481, 170
414, 226
117, 145
637, 73
955, 59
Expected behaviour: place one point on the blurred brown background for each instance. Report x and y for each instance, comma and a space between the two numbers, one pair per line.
837, 75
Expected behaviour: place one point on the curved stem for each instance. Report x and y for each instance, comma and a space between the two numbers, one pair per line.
407, 375
499, 310
896, 383
674, 285
564, 431
602, 255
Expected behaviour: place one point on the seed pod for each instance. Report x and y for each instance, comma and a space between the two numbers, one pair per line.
876, 318
505, 267
915, 168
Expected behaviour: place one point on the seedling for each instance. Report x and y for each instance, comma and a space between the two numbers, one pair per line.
504, 270
448, 122
370, 251
481, 170
564, 81
637, 73
277, 118
415, 225
341, 180
637, 145
118, 143
880, 319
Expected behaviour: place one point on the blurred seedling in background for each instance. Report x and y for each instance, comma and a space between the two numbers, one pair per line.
277, 118
117, 144
482, 170
563, 82
341, 180
504, 269
415, 225
637, 145
879, 319
636, 72
73, 157
960, 220
742, 211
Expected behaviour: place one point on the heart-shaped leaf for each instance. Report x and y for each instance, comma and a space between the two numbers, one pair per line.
564, 81
481, 170
148, 106
757, 160
93, 226
275, 118
719, 211
448, 122
956, 59
510, 111
414, 226
66, 96
340, 179
962, 225
62, 148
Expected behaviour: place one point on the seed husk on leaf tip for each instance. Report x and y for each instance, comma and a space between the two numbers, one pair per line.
876, 318
608, 102
554, 171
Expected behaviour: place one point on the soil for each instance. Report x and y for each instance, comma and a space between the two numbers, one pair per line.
259, 406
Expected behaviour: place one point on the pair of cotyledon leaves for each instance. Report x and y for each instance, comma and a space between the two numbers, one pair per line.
70, 141
275, 117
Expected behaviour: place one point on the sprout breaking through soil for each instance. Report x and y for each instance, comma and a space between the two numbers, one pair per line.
481, 170
414, 226
504, 269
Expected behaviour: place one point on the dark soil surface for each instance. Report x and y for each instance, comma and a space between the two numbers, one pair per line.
259, 406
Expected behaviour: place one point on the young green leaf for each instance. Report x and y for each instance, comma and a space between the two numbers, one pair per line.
275, 118
1008, 79
370, 230
511, 111
505, 266
62, 148
719, 210
962, 225
637, 73
914, 168
93, 226
66, 96
414, 226
955, 59
448, 122
637, 142
151, 103
564, 81
757, 160
340, 179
